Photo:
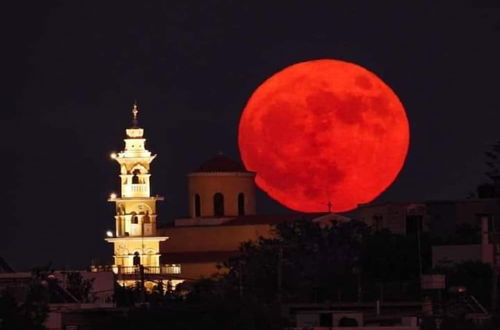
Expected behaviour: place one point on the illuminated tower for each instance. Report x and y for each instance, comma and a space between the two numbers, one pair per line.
136, 243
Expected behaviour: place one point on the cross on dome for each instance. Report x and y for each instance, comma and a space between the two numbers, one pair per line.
135, 111
135, 131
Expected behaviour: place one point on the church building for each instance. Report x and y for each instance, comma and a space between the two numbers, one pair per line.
222, 215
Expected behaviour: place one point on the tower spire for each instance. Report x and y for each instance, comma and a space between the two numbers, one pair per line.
135, 111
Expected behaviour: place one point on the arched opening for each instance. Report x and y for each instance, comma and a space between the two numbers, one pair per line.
197, 205
134, 219
148, 259
218, 205
146, 218
120, 209
136, 259
241, 204
135, 178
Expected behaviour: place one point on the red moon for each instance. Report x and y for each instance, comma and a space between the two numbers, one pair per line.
324, 131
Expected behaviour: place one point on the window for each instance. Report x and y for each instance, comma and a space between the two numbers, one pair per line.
241, 204
493, 224
197, 205
218, 205
135, 178
378, 222
413, 224
134, 218
137, 259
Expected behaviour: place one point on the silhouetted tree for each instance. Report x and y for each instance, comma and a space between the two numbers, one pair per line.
489, 189
493, 161
78, 286
474, 275
13, 315
303, 262
31, 313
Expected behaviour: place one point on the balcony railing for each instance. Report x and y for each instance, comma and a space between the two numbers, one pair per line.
167, 269
163, 269
135, 190
139, 188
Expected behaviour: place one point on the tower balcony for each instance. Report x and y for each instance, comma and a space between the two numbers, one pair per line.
131, 272
169, 269
135, 190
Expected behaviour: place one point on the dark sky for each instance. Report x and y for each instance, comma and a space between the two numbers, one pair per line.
73, 69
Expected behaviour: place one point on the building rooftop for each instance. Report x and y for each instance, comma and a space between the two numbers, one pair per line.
196, 256
430, 201
248, 220
270, 219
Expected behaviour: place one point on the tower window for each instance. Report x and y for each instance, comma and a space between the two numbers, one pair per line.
219, 205
135, 178
197, 205
137, 259
241, 204
134, 218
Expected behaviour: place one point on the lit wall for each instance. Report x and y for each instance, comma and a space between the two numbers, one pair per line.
229, 184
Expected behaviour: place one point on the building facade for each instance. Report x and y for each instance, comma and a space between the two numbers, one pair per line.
136, 241
440, 217
223, 215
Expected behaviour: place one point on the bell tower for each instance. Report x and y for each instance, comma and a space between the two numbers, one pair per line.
135, 238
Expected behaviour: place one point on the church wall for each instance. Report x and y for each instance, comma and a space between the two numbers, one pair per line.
210, 238
124, 253
229, 184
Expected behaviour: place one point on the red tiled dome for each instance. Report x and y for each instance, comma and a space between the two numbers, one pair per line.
221, 163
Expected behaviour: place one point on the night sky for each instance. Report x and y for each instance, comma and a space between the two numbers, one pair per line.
74, 68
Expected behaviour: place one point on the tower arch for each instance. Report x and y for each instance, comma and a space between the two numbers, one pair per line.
218, 201
197, 205
241, 203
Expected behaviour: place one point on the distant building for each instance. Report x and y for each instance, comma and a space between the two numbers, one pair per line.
486, 251
443, 218
65, 310
440, 217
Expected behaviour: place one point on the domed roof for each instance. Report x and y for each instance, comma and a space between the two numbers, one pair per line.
221, 163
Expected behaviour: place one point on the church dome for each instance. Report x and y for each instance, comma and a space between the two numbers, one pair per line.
221, 163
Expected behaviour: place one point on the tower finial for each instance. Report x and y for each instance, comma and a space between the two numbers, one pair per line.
135, 111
